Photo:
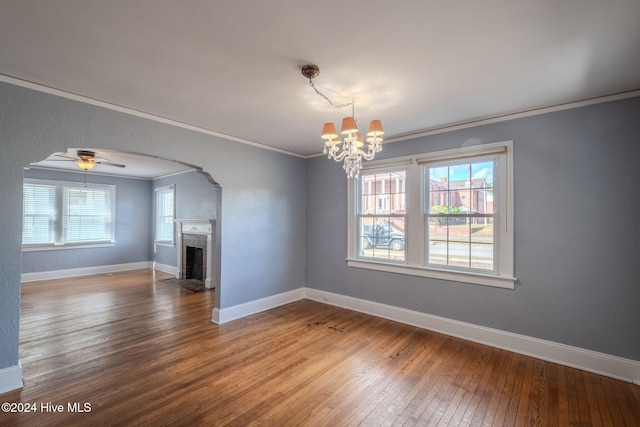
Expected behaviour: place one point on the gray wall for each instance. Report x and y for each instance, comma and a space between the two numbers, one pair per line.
577, 232
263, 193
132, 229
196, 198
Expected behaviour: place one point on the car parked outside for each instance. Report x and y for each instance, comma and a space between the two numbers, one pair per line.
381, 235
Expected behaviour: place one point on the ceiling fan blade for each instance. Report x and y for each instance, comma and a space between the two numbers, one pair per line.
117, 165
66, 157
60, 160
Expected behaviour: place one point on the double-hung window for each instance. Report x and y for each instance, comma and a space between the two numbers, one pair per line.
459, 216
382, 214
446, 215
165, 214
58, 214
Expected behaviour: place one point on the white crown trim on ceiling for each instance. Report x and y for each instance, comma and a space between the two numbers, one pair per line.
418, 134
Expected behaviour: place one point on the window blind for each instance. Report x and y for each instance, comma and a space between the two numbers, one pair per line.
39, 214
87, 214
165, 214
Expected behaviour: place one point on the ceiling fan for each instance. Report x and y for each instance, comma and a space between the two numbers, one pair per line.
86, 160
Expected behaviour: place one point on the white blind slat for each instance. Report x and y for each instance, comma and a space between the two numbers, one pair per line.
39, 214
57, 212
165, 214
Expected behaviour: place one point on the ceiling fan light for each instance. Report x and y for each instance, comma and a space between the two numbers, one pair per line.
85, 164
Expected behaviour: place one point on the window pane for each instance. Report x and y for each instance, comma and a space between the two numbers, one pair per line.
383, 193
382, 238
482, 256
437, 237
39, 214
456, 192
482, 184
482, 174
439, 174
465, 242
459, 231
165, 215
87, 214
482, 237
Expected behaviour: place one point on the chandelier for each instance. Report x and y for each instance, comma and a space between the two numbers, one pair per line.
350, 149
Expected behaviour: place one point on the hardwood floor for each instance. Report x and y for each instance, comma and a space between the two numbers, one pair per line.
141, 352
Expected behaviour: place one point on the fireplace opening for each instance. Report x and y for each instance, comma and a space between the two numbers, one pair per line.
195, 237
194, 265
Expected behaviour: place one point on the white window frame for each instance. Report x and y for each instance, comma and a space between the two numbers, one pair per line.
415, 233
159, 192
377, 199
58, 225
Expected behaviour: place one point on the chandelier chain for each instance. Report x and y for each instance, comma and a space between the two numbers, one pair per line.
333, 104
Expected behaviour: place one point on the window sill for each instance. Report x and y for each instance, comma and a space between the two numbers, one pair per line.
465, 277
35, 248
165, 244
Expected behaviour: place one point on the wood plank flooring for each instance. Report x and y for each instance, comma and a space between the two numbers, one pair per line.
141, 352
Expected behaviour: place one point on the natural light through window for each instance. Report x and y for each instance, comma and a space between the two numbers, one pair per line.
58, 214
460, 214
382, 216
165, 214
445, 215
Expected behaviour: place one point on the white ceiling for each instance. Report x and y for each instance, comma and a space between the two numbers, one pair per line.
233, 67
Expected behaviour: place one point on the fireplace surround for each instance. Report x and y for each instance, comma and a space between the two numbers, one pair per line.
195, 238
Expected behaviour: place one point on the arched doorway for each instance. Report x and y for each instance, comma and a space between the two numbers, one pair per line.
135, 179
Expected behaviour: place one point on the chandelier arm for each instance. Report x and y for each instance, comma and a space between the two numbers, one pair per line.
340, 157
368, 156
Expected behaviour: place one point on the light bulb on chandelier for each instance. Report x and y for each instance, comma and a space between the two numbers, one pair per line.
350, 149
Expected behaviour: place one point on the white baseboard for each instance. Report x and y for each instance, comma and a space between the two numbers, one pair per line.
85, 271
575, 357
220, 316
170, 269
11, 378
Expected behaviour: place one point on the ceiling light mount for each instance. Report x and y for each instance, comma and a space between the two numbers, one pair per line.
310, 71
351, 151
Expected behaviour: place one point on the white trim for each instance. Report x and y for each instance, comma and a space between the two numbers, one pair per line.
220, 316
174, 173
465, 152
54, 247
431, 131
11, 378
84, 271
415, 230
464, 277
575, 357
169, 269
160, 216
125, 110
93, 172
164, 244
205, 227
512, 116
503, 118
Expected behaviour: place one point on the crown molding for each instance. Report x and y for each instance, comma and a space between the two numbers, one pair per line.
505, 117
80, 98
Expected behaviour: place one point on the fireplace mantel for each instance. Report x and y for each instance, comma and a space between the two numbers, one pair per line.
196, 226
